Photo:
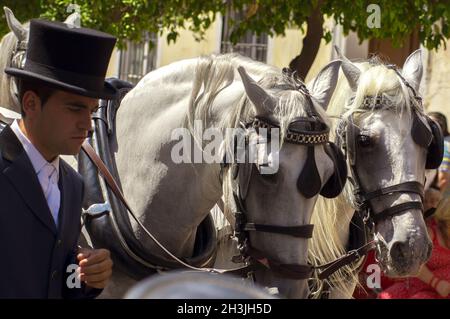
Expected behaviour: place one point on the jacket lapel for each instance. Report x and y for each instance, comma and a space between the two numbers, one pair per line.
22, 176
66, 188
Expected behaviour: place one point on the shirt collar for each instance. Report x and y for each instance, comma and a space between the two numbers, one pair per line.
36, 158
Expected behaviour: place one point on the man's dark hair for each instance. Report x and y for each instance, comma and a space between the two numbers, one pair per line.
44, 92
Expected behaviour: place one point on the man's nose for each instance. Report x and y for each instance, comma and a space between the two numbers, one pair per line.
86, 123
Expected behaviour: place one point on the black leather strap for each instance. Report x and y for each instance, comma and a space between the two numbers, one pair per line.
347, 259
429, 212
394, 210
291, 271
303, 231
407, 187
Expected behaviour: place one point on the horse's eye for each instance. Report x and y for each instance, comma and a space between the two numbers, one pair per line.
364, 140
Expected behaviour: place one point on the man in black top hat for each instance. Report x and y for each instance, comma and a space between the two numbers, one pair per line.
40, 194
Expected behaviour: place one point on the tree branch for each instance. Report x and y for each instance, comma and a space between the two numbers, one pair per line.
311, 43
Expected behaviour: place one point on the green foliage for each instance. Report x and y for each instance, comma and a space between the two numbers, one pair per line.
398, 19
128, 19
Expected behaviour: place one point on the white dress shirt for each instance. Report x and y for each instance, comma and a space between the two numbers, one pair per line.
47, 173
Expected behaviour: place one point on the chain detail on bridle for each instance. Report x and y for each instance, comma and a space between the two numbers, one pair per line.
302, 138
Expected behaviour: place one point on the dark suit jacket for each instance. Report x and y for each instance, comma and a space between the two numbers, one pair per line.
34, 253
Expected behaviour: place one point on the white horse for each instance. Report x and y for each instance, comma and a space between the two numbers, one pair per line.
382, 140
171, 200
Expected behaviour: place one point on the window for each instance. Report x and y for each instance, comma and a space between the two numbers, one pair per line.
250, 44
138, 59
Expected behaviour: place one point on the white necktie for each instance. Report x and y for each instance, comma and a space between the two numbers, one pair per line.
48, 179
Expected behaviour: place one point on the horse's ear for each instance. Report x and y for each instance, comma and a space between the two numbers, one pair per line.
412, 69
74, 19
324, 84
351, 71
264, 102
14, 25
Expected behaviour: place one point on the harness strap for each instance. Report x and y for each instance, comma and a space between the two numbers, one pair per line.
408, 187
394, 210
429, 212
347, 259
291, 271
302, 231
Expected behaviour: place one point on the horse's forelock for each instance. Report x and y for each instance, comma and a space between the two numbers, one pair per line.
378, 79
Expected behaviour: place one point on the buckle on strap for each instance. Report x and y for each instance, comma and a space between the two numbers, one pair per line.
97, 210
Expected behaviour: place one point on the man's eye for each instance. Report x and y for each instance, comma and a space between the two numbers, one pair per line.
74, 108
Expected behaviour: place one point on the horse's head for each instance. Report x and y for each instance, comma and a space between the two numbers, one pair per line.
276, 184
13, 48
389, 142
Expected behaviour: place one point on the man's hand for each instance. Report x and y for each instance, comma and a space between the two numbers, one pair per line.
95, 267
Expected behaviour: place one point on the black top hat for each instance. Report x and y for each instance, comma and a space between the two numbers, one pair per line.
68, 58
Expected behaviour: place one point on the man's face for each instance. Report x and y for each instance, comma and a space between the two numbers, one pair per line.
63, 122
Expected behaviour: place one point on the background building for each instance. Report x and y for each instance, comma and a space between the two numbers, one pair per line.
140, 58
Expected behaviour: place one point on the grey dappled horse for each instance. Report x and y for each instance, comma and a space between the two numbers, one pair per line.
389, 142
171, 198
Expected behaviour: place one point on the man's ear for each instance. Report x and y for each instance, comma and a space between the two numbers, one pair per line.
31, 103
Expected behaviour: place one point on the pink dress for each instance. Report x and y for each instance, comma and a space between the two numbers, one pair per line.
414, 288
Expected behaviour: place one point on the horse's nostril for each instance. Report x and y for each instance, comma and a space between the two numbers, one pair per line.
400, 252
